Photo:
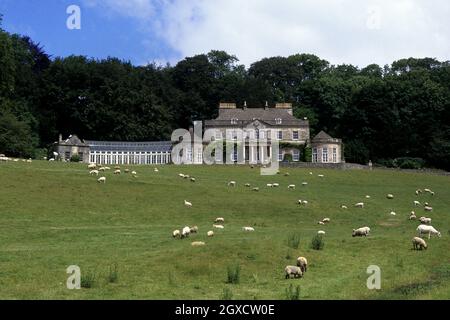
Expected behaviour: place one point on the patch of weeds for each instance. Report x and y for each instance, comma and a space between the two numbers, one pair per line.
414, 288
292, 293
233, 273
227, 294
317, 242
113, 275
293, 240
87, 280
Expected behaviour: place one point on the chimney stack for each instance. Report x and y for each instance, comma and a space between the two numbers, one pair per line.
266, 106
60, 138
286, 106
245, 105
227, 105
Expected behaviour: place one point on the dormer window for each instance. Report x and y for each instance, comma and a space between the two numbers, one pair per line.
278, 120
234, 121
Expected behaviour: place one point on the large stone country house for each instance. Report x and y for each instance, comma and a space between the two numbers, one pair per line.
257, 124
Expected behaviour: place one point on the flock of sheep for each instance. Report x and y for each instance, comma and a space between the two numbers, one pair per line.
95, 169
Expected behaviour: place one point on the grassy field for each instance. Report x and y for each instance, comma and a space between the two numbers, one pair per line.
53, 215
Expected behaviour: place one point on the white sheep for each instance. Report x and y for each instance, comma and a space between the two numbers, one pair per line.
363, 231
127, 170
92, 166
321, 222
390, 196
93, 172
101, 169
181, 175
218, 226
210, 233
133, 173
192, 179
293, 271
248, 229
304, 183
418, 191
185, 232
426, 229
269, 185
320, 175
275, 185
219, 219
186, 176
428, 208
419, 243
176, 234
359, 205
302, 262
117, 171
255, 189
412, 216
344, 206
193, 229
232, 183
291, 186
326, 220
187, 203
107, 168
247, 185
321, 232
367, 197
156, 170
392, 213
416, 203
425, 220
102, 179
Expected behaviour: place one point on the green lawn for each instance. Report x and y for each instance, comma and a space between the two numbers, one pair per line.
53, 215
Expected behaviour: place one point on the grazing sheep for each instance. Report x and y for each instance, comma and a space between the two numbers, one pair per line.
107, 168
286, 174
367, 197
247, 185
326, 220
193, 229
321, 222
425, 220
181, 175
133, 173
232, 183
93, 172
418, 191
321, 232
187, 204
117, 171
291, 186
427, 190
275, 185
269, 185
197, 243
392, 213
156, 170
293, 270
210, 233
344, 206
248, 229
416, 203
102, 179
426, 204
101, 169
51, 159
359, 205
304, 183
218, 226
255, 189
310, 173
185, 232
419, 243
127, 170
390, 196
364, 231
428, 208
92, 166
302, 263
220, 219
320, 175
412, 216
117, 167
426, 229
176, 234
192, 179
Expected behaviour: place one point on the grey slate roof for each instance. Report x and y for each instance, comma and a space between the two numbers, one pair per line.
147, 146
245, 116
322, 136
73, 140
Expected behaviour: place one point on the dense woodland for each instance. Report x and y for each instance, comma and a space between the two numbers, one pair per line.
381, 112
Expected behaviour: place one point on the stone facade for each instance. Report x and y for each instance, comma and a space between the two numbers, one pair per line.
326, 149
70, 147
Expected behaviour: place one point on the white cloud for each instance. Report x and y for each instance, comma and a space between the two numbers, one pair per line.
341, 31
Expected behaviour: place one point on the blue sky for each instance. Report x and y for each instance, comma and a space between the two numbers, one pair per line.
142, 31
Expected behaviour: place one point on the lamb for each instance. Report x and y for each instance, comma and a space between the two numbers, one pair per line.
321, 232
117, 171
428, 208
102, 179
426, 229
232, 183
291, 186
197, 243
302, 263
220, 219
390, 196
412, 216
185, 232
248, 229
93, 172
187, 204
210, 233
363, 231
194, 229
359, 205
218, 226
416, 203
419, 243
176, 234
425, 220
293, 270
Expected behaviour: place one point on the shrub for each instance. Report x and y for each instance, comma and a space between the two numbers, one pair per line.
292, 293
409, 163
75, 158
227, 294
317, 242
88, 280
233, 273
113, 275
287, 157
307, 154
293, 240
